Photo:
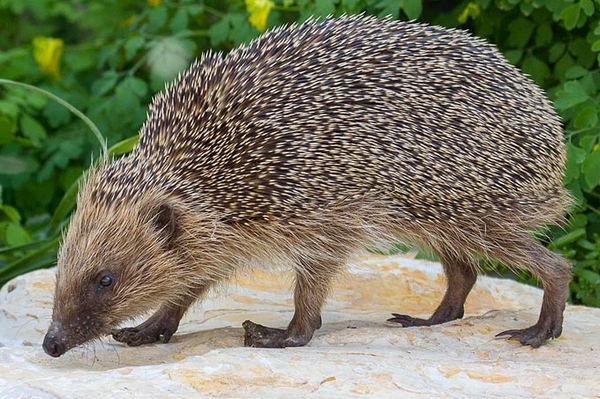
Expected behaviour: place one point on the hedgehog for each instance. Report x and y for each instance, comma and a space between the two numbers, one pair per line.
303, 148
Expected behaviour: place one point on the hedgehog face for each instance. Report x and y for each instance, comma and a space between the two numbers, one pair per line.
112, 267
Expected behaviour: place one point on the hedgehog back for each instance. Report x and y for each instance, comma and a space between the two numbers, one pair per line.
338, 110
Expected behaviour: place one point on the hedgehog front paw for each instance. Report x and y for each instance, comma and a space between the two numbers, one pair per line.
155, 329
133, 336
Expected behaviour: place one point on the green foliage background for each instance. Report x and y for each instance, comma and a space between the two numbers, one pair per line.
117, 53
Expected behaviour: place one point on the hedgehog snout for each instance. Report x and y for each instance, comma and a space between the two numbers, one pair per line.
55, 340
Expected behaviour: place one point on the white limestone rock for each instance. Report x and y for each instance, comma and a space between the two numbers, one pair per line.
355, 353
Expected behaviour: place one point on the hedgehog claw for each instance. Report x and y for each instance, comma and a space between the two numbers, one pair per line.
408, 321
524, 336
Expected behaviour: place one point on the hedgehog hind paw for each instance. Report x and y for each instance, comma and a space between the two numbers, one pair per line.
408, 321
533, 336
258, 336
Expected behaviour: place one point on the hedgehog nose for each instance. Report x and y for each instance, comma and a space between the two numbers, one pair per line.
53, 346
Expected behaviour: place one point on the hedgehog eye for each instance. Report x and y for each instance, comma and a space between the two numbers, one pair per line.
106, 280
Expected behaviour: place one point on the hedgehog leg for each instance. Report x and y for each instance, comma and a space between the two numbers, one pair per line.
313, 282
461, 274
160, 327
554, 272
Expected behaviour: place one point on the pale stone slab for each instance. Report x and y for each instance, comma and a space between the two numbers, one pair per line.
355, 353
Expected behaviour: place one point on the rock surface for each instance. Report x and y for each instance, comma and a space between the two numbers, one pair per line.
355, 353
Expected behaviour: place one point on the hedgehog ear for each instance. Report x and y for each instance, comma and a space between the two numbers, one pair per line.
164, 221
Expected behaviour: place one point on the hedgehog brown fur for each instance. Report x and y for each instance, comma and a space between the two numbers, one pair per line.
303, 147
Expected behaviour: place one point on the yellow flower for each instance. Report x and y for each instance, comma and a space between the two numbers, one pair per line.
259, 12
47, 52
471, 10
154, 3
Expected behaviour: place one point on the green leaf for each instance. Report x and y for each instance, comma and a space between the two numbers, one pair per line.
588, 275
574, 187
575, 157
16, 235
537, 69
43, 256
514, 56
576, 72
180, 21
106, 82
578, 220
556, 51
70, 175
65, 206
125, 101
195, 9
219, 31
543, 35
577, 154
32, 129
412, 8
570, 15
567, 238
324, 8
350, 6
135, 85
8, 127
71, 148
132, 46
80, 59
9, 108
521, 31
124, 146
564, 64
157, 18
580, 48
588, 7
36, 100
21, 248
586, 117
526, 8
11, 213
389, 7
591, 169
242, 31
586, 244
64, 103
56, 114
588, 142
571, 94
